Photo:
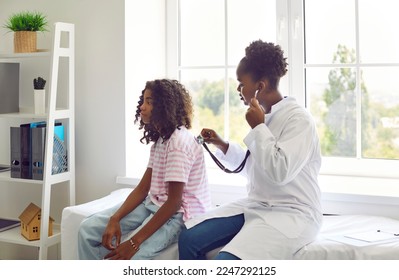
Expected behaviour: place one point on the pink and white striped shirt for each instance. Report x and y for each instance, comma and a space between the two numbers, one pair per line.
180, 159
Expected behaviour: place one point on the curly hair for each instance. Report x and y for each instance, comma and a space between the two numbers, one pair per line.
264, 60
172, 108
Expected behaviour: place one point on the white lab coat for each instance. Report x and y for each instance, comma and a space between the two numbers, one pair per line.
282, 211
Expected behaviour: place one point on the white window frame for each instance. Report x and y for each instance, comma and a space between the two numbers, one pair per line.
375, 177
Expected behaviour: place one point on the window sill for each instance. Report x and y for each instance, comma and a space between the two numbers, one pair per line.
383, 191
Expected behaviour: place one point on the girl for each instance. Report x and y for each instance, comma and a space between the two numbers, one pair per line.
173, 189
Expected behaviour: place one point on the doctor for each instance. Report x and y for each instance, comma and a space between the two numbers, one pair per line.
282, 211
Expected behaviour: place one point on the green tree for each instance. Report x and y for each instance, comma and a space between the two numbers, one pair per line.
211, 96
339, 133
383, 140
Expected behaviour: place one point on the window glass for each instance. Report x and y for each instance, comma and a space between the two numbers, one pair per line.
328, 24
249, 20
380, 112
238, 125
333, 105
207, 90
208, 69
378, 24
202, 32
356, 102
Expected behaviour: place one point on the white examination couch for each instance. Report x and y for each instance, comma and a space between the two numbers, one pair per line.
341, 237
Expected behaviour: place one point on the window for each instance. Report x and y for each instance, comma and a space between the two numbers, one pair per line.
349, 70
342, 67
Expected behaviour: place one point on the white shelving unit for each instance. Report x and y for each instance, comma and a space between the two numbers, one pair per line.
67, 116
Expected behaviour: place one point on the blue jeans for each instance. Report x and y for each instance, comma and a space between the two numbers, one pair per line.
195, 242
92, 229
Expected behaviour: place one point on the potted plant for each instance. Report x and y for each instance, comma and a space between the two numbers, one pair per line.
25, 25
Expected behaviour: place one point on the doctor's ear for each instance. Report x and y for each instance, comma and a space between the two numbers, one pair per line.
263, 86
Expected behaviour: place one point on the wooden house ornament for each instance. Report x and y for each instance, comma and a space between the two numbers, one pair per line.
30, 222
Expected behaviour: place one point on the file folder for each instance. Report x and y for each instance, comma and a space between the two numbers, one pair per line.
26, 149
15, 156
60, 160
26, 155
38, 150
28, 143
38, 145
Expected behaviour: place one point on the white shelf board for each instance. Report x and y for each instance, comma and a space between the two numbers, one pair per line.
27, 113
23, 115
39, 53
55, 178
14, 236
6, 177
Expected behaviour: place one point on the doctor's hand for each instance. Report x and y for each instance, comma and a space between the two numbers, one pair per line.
211, 137
112, 230
255, 114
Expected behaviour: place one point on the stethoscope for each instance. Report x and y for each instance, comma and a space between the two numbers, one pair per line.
200, 140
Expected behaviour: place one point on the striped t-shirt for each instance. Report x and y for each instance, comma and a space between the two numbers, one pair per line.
180, 159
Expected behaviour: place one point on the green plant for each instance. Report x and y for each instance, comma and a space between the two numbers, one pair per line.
27, 21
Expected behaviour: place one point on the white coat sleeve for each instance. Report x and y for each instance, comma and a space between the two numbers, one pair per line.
283, 156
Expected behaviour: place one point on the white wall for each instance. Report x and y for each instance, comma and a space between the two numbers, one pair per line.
100, 96
145, 41
100, 85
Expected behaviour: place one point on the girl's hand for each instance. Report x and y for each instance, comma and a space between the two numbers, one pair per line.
123, 252
113, 230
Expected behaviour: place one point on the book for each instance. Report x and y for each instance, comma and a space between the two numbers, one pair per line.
6, 224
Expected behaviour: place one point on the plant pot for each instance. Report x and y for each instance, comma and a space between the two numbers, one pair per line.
25, 41
40, 101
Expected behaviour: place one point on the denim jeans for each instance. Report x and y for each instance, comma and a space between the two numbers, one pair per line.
195, 242
92, 228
